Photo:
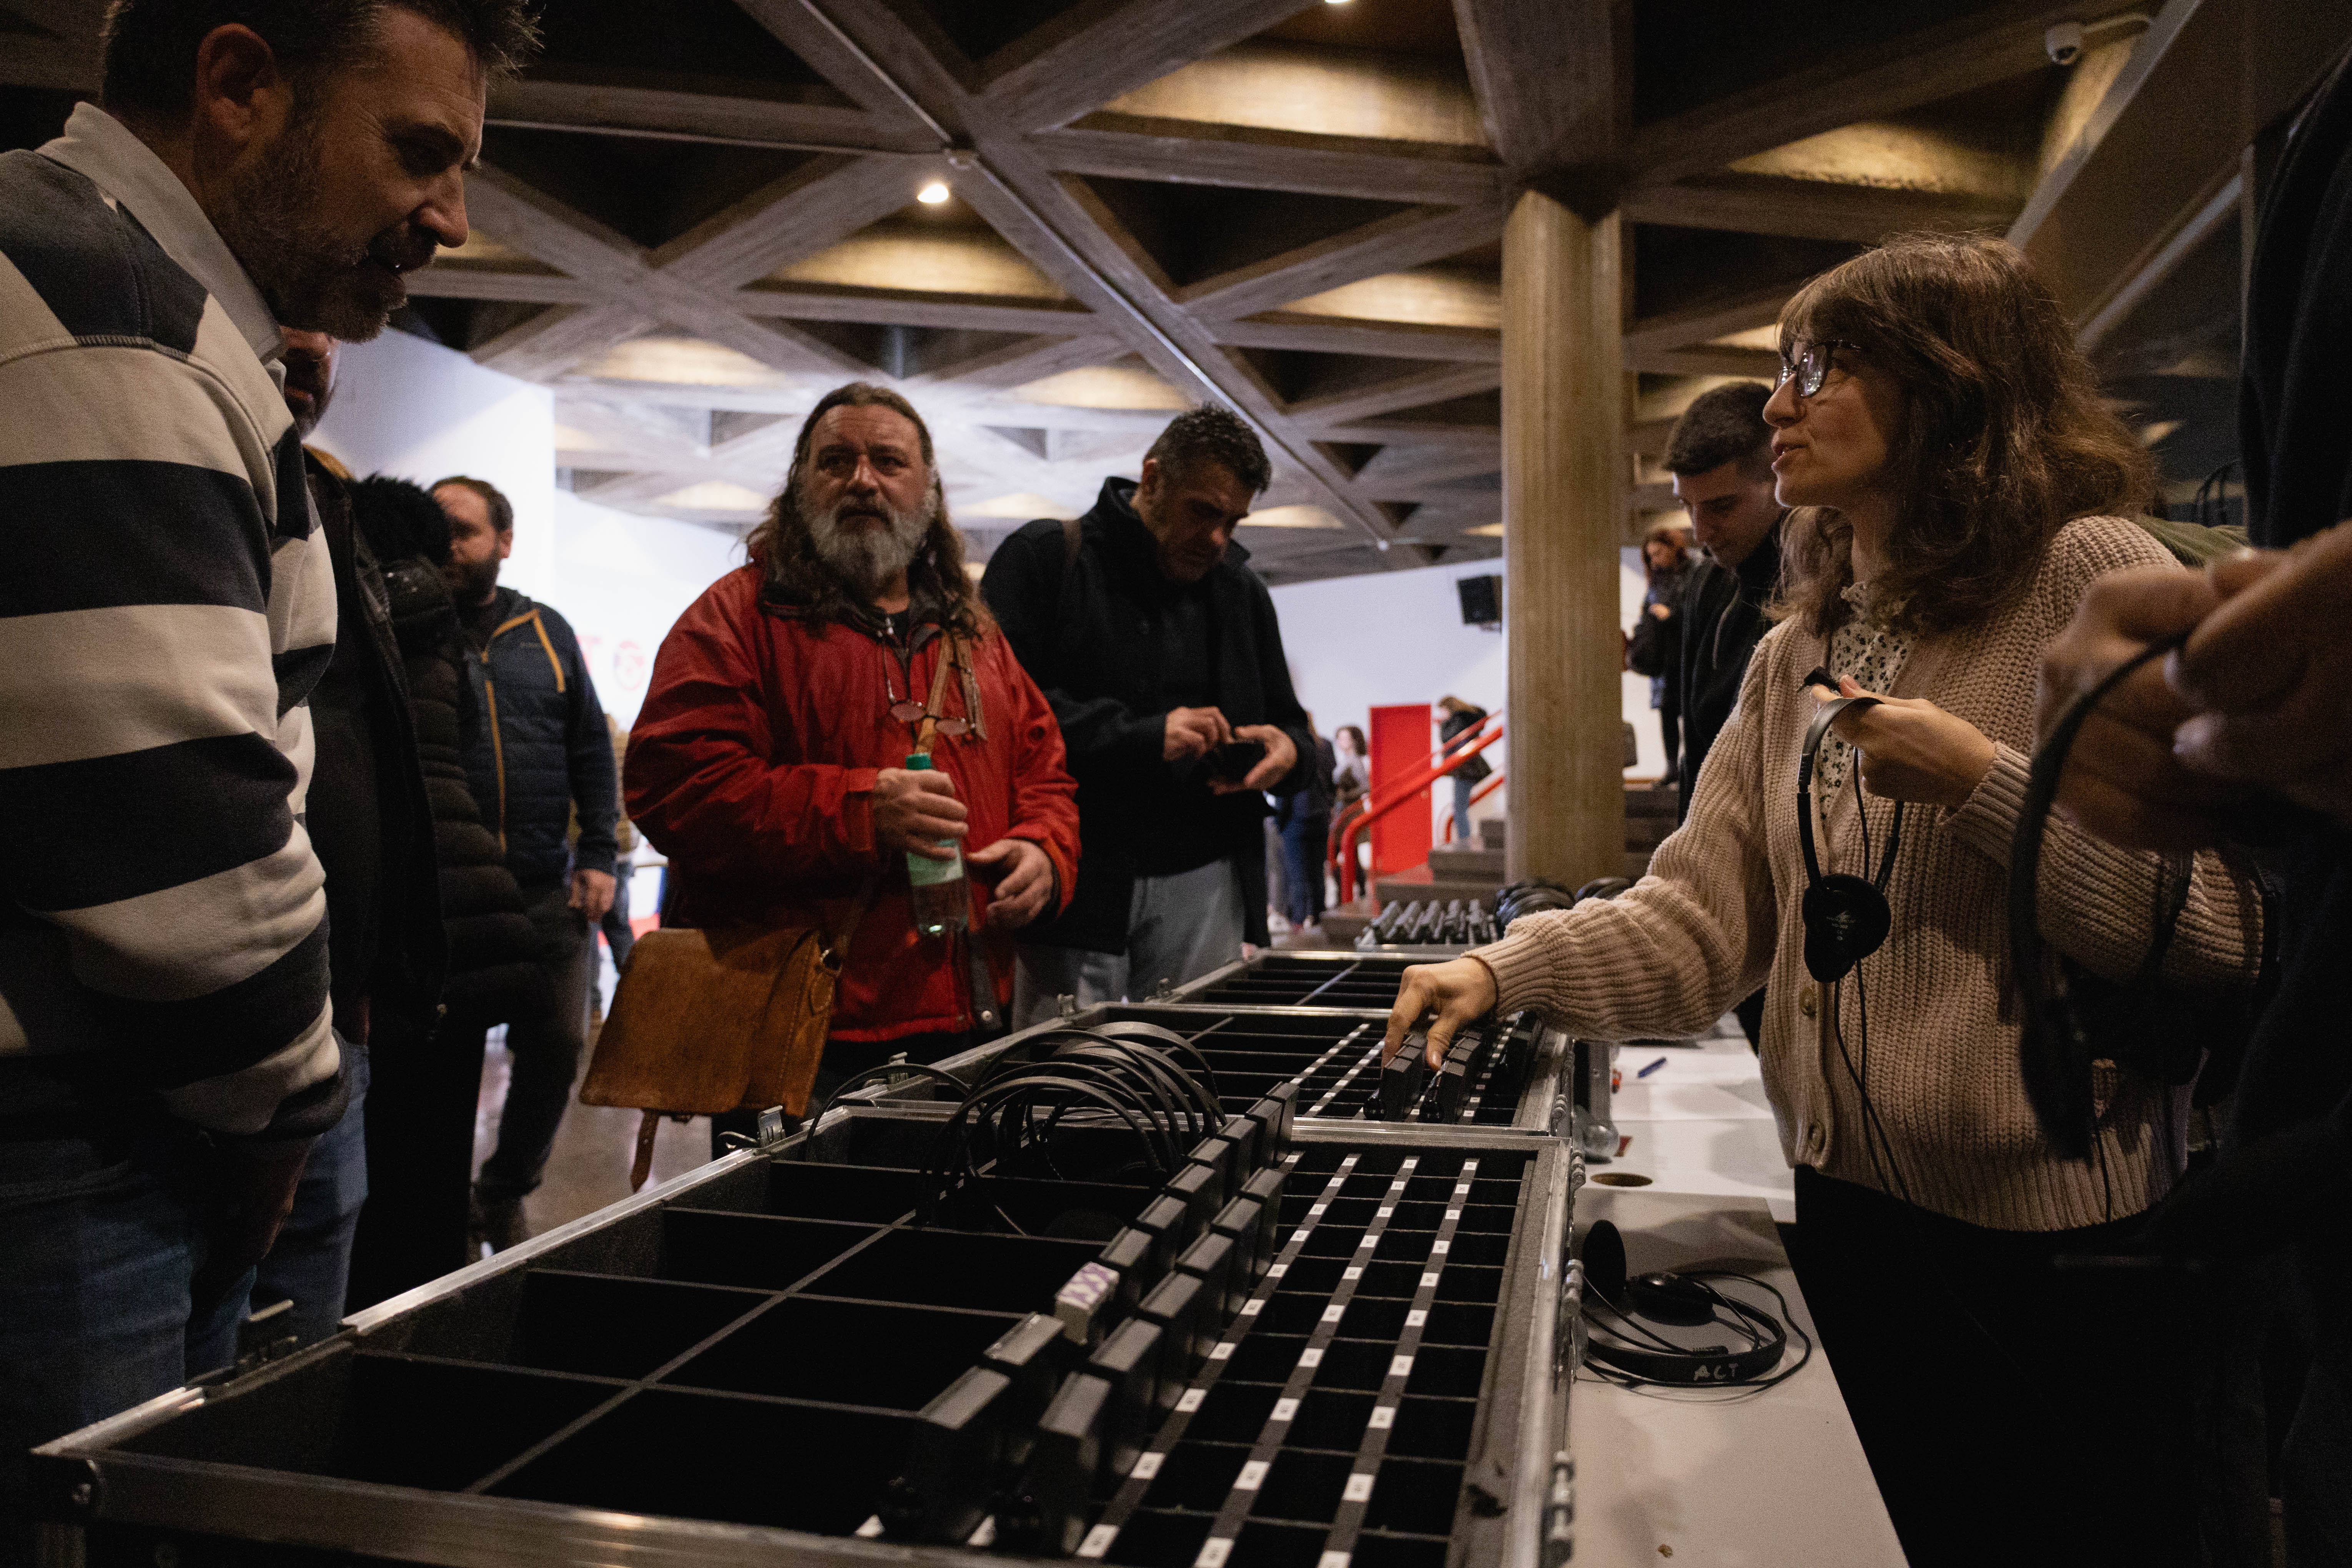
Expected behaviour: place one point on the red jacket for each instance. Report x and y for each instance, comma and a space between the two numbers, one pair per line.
751, 766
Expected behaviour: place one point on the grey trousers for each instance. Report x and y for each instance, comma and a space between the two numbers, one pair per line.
1178, 929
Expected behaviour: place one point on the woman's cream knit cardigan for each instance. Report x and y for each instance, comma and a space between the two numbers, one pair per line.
1717, 916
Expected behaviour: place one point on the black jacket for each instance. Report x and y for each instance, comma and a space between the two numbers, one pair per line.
494, 975
1476, 770
366, 813
544, 750
1722, 621
1095, 633
2294, 1114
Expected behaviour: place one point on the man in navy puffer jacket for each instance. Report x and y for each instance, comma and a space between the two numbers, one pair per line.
540, 755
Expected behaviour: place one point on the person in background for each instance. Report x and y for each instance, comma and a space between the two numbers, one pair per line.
1461, 718
167, 1048
427, 1069
1159, 648
769, 762
1304, 820
372, 829
1720, 454
540, 756
619, 935
1351, 781
1959, 484
1656, 644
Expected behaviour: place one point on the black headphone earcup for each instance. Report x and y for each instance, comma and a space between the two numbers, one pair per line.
1846, 920
1604, 1261
1670, 1298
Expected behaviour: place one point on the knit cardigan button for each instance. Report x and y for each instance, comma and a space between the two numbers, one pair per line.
1805, 1003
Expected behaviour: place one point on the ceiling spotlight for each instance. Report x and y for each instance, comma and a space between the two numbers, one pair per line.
932, 194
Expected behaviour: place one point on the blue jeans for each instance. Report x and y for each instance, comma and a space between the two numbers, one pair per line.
311, 1262
1462, 788
104, 1238
545, 1050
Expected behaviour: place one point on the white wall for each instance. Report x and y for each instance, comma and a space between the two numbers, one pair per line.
419, 411
423, 412
1357, 643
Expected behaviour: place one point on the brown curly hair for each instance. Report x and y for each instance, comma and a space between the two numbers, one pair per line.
2003, 438
798, 575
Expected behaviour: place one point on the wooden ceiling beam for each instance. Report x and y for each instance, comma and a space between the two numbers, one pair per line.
1402, 239
1868, 82
1345, 335
2148, 51
1549, 76
1696, 324
1760, 364
955, 311
1101, 48
443, 281
1402, 468
557, 337
822, 48
1809, 209
539, 104
1032, 359
1414, 391
789, 219
1252, 159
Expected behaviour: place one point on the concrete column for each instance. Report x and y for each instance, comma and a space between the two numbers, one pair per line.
1563, 433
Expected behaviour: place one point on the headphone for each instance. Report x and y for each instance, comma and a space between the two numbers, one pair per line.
1846, 917
1680, 1300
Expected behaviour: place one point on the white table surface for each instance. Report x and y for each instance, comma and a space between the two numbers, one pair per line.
1703, 1478
1700, 1124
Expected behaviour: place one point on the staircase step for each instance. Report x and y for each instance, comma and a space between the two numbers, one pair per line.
1446, 861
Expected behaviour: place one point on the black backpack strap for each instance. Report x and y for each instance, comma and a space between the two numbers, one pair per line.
1070, 526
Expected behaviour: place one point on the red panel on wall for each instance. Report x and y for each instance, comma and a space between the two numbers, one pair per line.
1401, 740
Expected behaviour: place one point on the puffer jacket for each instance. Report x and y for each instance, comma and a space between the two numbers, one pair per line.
542, 750
494, 976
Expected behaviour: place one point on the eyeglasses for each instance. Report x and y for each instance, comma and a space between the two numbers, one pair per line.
1811, 367
908, 711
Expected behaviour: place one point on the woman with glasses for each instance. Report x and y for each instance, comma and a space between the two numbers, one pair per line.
1957, 483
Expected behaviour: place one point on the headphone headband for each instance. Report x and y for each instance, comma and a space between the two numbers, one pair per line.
1808, 759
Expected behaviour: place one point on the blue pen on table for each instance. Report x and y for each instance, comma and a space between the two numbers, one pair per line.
1651, 1067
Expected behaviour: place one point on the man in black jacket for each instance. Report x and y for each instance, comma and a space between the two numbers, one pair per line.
1720, 454
541, 756
368, 820
1157, 648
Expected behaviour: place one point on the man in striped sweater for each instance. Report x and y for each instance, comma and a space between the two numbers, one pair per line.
167, 1050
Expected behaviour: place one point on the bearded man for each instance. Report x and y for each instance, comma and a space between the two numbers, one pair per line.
168, 1051
769, 760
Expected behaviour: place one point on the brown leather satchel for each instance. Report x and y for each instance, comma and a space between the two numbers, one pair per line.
731, 1018
718, 1020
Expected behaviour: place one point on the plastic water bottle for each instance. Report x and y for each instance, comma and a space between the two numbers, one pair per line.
942, 903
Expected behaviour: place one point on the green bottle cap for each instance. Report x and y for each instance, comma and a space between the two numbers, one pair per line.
918, 760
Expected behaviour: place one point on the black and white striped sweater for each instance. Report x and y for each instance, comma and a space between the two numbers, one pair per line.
166, 603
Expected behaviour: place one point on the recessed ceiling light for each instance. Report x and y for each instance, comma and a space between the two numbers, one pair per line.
932, 194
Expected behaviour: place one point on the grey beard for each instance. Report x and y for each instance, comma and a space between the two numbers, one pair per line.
867, 558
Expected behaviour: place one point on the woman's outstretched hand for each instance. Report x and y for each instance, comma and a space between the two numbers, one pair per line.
1449, 995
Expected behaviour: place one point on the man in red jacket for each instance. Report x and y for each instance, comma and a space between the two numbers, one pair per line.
769, 760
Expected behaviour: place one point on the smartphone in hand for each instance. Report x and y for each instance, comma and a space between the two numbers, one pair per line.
1232, 763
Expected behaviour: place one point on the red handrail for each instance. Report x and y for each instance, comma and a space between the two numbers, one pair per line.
1407, 788
1493, 782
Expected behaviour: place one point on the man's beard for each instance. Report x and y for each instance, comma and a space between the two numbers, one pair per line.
312, 280
867, 558
471, 583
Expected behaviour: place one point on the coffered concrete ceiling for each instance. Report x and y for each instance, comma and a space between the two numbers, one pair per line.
692, 218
